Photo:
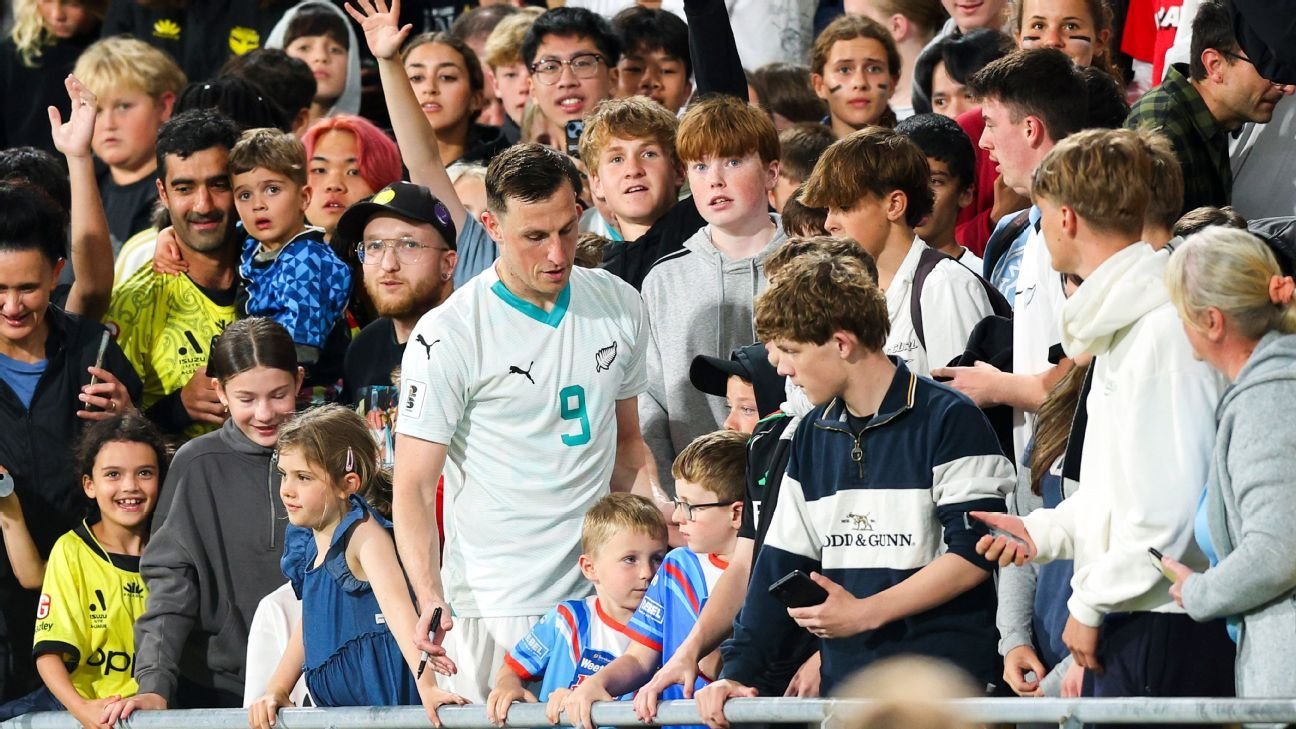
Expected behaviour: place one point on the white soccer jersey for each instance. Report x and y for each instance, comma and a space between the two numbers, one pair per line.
525, 400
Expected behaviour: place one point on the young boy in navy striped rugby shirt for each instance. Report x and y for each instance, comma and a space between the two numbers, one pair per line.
874, 504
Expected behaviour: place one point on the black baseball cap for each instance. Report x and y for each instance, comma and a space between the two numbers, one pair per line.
751, 363
405, 199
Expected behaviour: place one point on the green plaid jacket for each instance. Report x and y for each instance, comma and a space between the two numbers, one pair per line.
1177, 110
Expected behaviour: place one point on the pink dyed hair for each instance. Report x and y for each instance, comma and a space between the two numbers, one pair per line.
376, 154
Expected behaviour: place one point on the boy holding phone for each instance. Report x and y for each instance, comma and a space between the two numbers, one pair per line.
874, 506
710, 477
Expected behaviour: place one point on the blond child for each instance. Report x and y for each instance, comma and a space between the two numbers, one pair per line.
710, 477
623, 538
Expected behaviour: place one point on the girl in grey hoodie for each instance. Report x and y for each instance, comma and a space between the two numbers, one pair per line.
218, 532
1237, 309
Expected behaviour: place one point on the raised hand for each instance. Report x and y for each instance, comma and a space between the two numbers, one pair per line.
72, 137
379, 24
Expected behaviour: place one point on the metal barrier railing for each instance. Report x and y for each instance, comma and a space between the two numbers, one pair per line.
825, 712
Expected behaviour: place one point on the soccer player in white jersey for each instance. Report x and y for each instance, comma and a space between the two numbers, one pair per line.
521, 389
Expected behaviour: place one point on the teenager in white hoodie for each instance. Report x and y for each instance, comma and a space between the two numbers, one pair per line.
1148, 444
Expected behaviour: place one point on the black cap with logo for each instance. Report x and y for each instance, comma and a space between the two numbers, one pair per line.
404, 199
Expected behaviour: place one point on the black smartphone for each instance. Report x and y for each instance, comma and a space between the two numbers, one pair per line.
575, 128
1156, 558
797, 590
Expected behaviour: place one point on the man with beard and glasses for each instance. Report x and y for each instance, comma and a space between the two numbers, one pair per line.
165, 324
405, 241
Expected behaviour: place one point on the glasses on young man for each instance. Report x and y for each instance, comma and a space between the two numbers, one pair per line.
688, 508
583, 65
406, 250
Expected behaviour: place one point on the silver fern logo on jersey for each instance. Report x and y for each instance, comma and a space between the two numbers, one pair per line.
604, 358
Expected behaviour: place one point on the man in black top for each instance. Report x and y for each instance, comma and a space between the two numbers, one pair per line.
406, 244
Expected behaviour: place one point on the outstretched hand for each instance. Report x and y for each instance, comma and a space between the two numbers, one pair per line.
72, 137
381, 26
1011, 545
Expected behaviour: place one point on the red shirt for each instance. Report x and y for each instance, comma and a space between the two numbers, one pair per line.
1150, 29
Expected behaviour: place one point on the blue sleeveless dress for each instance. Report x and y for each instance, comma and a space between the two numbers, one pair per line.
352, 658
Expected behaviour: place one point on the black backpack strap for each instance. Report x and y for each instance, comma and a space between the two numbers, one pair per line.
999, 243
927, 262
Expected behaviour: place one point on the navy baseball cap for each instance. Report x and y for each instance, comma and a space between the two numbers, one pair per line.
404, 199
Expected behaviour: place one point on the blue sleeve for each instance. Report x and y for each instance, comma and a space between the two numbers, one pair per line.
299, 553
531, 657
312, 287
477, 251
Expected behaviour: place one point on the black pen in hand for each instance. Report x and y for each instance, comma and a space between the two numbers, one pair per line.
423, 658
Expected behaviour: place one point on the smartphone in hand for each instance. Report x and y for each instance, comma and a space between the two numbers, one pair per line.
796, 590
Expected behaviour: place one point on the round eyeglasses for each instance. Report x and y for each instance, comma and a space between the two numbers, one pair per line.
583, 65
406, 250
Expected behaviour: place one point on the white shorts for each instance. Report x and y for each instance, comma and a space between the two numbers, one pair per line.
477, 646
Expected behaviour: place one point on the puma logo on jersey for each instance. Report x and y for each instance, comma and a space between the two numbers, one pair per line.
604, 358
515, 370
427, 347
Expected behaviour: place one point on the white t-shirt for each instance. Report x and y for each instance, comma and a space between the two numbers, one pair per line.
1037, 312
525, 400
953, 302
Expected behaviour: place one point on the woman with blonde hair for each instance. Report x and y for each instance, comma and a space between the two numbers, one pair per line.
1236, 306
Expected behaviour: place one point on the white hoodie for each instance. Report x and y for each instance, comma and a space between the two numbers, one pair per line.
349, 101
1146, 449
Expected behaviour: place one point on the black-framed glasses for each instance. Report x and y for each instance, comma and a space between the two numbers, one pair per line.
688, 508
1236, 56
406, 250
583, 65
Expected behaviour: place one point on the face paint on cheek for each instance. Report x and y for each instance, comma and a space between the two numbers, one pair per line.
836, 88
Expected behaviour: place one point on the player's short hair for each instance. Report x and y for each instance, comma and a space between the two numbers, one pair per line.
800, 147
616, 513
504, 45
1103, 174
871, 162
800, 247
817, 295
717, 462
528, 173
122, 63
723, 126
1039, 82
634, 117
272, 149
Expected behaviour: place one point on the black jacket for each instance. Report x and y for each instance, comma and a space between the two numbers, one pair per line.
36, 444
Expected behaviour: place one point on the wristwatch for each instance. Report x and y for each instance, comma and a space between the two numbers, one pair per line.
6, 484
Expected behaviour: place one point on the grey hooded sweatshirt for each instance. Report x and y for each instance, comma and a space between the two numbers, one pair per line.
699, 302
349, 101
1250, 510
217, 539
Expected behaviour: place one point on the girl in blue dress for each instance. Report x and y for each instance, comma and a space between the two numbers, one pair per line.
355, 639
